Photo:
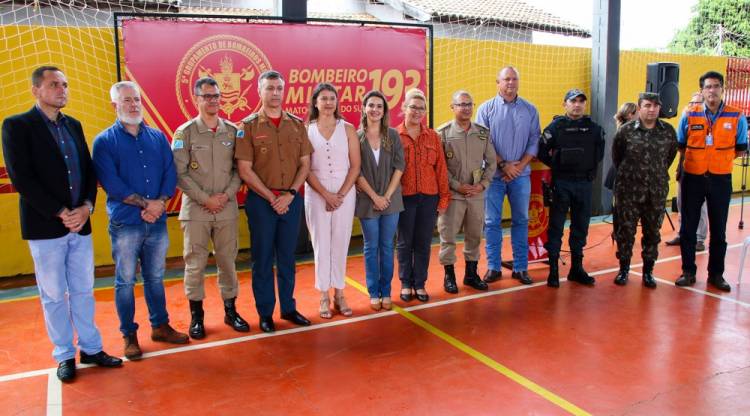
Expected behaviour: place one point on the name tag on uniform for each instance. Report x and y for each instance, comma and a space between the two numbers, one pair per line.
199, 147
261, 137
696, 127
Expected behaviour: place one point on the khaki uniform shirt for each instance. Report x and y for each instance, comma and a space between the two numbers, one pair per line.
470, 156
274, 151
205, 166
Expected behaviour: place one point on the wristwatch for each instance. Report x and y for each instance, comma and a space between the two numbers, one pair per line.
501, 164
293, 192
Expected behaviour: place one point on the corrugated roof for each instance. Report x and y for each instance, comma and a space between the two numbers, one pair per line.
505, 12
267, 12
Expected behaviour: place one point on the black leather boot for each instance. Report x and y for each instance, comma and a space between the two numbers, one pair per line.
471, 278
622, 276
232, 318
553, 278
648, 277
717, 280
686, 279
578, 274
449, 281
197, 330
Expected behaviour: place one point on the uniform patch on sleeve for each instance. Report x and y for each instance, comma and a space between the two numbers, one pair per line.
177, 144
240, 133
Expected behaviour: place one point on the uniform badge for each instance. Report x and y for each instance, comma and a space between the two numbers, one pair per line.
727, 126
263, 150
482, 136
178, 134
449, 154
227, 144
177, 144
240, 133
547, 134
194, 165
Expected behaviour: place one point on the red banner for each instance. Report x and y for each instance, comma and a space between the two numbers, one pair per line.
165, 59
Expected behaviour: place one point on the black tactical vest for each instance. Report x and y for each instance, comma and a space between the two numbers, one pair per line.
576, 157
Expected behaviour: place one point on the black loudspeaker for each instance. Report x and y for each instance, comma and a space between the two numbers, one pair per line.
663, 78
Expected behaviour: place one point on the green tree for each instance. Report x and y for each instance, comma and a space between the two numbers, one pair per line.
719, 27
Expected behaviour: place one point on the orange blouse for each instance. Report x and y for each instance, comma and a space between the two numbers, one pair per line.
426, 171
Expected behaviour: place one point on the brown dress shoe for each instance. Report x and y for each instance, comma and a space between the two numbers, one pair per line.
165, 333
132, 349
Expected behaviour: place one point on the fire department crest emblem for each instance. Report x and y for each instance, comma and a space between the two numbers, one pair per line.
234, 62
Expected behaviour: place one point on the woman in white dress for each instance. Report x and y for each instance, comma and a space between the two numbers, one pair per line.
329, 195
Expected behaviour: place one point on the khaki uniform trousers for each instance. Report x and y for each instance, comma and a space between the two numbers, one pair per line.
195, 252
461, 213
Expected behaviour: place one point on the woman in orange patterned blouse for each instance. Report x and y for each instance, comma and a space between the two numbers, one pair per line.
424, 186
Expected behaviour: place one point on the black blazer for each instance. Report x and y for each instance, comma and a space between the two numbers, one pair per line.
37, 170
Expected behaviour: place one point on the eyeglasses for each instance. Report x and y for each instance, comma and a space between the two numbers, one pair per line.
712, 87
210, 97
416, 108
464, 105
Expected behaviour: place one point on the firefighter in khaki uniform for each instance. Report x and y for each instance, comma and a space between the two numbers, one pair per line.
471, 164
203, 151
273, 158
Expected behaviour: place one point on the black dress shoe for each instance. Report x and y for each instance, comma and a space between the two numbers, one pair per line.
523, 277
66, 370
492, 276
295, 318
266, 324
649, 281
476, 283
718, 282
622, 278
687, 279
674, 242
101, 358
406, 297
423, 297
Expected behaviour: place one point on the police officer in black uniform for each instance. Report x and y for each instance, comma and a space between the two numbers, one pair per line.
572, 146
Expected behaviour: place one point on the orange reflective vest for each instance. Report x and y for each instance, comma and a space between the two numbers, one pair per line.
718, 158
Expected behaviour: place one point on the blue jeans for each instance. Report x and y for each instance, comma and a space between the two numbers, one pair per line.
519, 192
63, 266
273, 235
148, 244
378, 234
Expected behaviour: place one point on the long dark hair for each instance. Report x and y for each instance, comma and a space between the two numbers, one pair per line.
312, 111
385, 140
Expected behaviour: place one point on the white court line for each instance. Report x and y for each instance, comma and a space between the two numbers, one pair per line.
54, 394
230, 341
692, 289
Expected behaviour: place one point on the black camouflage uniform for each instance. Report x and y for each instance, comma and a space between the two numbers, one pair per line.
642, 158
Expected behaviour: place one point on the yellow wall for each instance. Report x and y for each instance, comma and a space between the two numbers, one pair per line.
87, 57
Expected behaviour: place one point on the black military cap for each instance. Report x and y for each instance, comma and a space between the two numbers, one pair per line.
574, 93
650, 96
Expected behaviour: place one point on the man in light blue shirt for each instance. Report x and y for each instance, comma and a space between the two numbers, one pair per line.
514, 131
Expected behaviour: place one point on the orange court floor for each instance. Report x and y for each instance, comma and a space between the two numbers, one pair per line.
514, 350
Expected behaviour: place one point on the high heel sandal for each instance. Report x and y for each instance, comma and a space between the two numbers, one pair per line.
325, 308
375, 304
339, 303
406, 294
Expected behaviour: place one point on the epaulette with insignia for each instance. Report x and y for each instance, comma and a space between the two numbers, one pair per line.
481, 126
443, 126
294, 117
250, 118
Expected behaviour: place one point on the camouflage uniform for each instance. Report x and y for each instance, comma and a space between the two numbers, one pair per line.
642, 158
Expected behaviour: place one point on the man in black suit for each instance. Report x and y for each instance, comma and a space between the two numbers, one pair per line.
49, 164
